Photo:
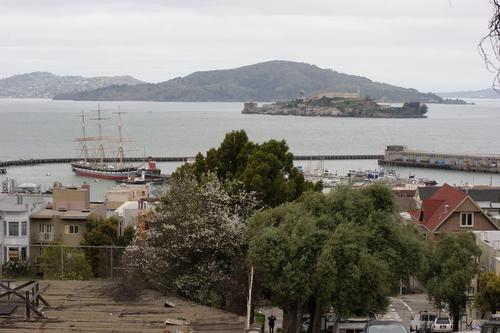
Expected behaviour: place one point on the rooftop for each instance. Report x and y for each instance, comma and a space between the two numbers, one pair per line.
47, 213
440, 205
9, 202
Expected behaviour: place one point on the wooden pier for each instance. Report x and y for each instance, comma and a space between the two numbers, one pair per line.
35, 161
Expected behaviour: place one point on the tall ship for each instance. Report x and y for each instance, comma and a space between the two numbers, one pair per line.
102, 160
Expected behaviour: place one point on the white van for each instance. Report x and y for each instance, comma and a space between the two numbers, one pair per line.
422, 322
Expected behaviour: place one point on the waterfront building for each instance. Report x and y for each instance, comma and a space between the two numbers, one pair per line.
338, 94
15, 226
397, 155
9, 185
450, 210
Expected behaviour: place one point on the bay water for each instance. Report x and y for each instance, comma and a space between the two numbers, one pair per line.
40, 128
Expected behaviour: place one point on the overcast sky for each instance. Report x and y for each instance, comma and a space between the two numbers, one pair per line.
430, 45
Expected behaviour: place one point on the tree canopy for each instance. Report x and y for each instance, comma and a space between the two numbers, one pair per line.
487, 298
266, 169
346, 250
197, 242
452, 264
102, 232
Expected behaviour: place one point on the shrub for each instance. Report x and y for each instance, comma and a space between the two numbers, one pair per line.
75, 264
16, 268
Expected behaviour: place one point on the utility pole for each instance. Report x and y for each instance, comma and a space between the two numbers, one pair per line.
249, 303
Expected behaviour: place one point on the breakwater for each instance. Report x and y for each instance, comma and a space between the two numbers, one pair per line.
34, 161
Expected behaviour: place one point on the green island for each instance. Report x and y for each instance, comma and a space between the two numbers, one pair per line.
338, 107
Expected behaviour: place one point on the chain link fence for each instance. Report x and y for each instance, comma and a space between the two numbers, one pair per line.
67, 262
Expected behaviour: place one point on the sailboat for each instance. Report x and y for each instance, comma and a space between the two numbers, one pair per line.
102, 166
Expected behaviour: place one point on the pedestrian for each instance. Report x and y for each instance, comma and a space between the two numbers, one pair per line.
271, 319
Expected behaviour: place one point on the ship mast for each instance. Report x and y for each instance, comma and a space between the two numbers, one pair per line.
84, 139
121, 154
101, 139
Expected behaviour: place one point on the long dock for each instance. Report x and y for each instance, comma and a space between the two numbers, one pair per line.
398, 155
35, 161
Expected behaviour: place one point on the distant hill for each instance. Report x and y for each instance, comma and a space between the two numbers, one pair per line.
484, 93
268, 81
47, 85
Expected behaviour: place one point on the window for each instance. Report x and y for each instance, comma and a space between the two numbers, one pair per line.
46, 228
13, 253
24, 254
24, 228
13, 228
466, 219
16, 253
70, 229
46, 232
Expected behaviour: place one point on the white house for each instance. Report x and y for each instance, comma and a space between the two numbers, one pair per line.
15, 211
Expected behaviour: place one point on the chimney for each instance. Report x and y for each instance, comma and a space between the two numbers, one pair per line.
446, 209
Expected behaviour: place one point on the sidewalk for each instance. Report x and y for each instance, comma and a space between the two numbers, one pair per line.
272, 311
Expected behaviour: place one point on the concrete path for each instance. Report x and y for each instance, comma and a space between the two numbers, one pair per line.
273, 311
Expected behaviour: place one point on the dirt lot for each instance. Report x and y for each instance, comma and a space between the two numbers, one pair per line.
84, 306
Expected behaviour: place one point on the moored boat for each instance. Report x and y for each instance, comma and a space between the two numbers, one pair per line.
88, 169
101, 166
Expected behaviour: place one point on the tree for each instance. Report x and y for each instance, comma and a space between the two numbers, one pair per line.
62, 263
490, 44
487, 298
104, 233
266, 169
197, 242
345, 250
452, 266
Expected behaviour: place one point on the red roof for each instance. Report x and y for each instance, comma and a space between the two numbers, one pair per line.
415, 213
440, 205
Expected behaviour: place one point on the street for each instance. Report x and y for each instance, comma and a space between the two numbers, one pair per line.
400, 308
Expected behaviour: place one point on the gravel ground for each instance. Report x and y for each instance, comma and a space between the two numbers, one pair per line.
84, 306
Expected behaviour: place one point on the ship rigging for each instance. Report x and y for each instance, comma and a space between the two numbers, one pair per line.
102, 166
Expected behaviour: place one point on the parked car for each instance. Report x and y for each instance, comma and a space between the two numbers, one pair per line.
442, 324
353, 324
492, 325
385, 326
422, 322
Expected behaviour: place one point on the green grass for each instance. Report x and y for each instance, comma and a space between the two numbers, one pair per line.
260, 319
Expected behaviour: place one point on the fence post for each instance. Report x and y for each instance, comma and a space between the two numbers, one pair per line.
62, 262
37, 291
1, 260
111, 262
27, 306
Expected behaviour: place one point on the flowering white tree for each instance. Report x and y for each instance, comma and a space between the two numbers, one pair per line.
197, 241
